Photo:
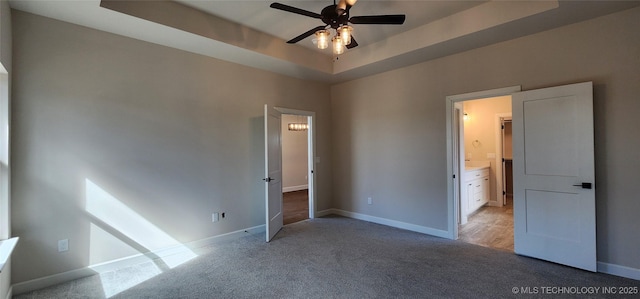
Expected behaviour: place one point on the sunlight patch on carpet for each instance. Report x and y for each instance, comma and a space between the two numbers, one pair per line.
118, 231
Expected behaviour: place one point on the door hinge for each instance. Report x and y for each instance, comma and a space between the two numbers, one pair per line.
454, 176
503, 127
504, 193
502, 160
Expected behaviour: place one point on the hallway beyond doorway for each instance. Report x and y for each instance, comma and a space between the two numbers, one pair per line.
295, 206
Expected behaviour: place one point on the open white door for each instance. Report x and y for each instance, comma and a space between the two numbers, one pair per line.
553, 169
273, 171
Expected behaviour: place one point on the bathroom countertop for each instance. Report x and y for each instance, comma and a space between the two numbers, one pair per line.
476, 165
472, 168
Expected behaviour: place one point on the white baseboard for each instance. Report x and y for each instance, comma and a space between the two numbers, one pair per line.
295, 188
226, 237
607, 268
51, 280
618, 270
323, 213
47, 281
191, 247
393, 223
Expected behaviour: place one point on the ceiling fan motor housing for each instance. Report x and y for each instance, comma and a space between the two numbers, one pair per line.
330, 17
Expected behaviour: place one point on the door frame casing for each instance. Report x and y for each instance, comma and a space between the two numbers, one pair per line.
453, 184
500, 118
458, 160
311, 154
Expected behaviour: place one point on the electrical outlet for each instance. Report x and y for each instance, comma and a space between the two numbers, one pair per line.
215, 217
63, 245
369, 200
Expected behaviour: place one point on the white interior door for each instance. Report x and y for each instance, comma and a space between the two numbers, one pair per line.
554, 180
273, 171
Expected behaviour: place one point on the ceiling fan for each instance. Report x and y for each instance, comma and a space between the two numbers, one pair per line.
336, 16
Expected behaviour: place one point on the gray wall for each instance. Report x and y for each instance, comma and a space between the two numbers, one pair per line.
171, 135
389, 129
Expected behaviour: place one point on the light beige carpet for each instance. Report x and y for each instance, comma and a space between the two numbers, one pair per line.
337, 257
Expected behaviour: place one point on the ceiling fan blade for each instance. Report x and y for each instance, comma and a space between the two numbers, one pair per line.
292, 9
305, 35
382, 19
352, 44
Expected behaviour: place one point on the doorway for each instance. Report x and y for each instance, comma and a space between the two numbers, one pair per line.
295, 187
297, 165
486, 215
273, 166
476, 203
553, 172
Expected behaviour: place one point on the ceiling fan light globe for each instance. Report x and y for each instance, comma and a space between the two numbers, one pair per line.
322, 39
345, 34
338, 45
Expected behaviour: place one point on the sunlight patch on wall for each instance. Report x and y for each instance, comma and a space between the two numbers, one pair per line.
105, 247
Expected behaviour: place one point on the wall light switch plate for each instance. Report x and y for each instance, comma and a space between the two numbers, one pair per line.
215, 217
63, 245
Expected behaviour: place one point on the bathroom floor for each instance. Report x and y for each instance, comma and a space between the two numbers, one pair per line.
490, 227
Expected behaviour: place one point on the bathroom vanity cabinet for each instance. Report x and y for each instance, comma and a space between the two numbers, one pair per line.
477, 186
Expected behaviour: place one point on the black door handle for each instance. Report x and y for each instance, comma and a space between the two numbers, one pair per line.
267, 180
584, 185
